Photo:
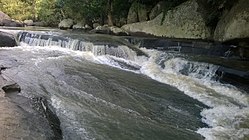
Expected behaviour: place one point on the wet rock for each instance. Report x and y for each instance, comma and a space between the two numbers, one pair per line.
66, 24
234, 24
11, 88
23, 118
184, 21
7, 40
18, 120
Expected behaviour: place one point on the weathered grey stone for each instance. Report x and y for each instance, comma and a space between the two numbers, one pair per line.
234, 24
184, 21
79, 25
66, 24
11, 23
7, 40
3, 17
118, 31
28, 22
157, 10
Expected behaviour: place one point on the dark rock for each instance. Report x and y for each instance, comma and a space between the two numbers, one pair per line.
11, 88
7, 40
235, 77
42, 106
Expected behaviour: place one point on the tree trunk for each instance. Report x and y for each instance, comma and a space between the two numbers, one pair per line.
109, 12
34, 10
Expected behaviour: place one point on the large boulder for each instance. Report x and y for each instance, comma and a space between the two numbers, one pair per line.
137, 13
157, 9
184, 21
79, 25
7, 40
234, 24
5, 20
28, 22
3, 17
66, 24
12, 23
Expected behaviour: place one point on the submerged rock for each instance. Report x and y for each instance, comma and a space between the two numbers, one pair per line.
234, 24
184, 21
7, 40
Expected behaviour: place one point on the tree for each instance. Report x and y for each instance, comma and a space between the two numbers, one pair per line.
109, 11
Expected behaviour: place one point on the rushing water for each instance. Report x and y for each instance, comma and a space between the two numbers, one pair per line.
105, 92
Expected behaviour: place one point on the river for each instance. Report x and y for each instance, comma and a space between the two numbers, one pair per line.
109, 92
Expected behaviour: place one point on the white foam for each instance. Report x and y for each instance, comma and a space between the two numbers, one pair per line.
228, 117
229, 113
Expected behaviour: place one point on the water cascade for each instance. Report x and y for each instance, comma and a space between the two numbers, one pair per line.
161, 95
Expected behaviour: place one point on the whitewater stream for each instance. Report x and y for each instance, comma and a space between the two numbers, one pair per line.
109, 92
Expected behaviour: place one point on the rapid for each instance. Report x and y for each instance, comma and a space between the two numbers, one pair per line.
112, 90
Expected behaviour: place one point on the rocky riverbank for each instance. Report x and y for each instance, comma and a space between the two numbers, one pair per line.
21, 117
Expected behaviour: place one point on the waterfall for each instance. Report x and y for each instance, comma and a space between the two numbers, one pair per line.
97, 48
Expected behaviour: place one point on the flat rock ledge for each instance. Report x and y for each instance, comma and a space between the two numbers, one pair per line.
24, 118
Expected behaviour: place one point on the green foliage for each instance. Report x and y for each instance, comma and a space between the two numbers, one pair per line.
48, 12
17, 9
52, 11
